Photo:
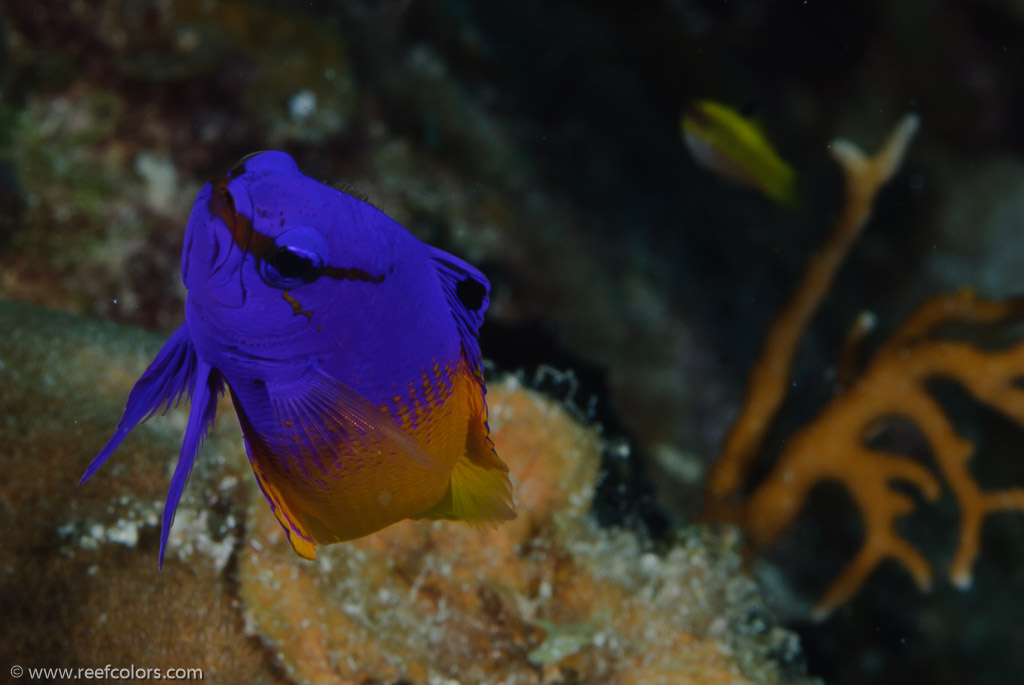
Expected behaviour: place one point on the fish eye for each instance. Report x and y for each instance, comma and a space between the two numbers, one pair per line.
287, 266
298, 257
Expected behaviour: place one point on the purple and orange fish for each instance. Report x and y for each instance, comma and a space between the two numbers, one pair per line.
350, 351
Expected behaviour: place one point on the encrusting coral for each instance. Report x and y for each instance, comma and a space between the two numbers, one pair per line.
546, 598
835, 447
79, 584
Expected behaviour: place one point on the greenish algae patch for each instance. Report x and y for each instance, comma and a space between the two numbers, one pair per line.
297, 77
561, 642
89, 238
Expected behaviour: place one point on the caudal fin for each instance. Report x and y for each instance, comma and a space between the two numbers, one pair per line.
480, 491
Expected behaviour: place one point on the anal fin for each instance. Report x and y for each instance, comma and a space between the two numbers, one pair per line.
298, 536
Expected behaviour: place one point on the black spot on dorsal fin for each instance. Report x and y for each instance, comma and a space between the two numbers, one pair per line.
470, 293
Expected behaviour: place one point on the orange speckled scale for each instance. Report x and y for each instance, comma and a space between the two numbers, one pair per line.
369, 485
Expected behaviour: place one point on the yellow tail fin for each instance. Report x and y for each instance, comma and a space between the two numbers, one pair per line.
480, 491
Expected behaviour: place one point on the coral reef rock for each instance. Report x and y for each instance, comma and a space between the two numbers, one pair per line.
547, 598
79, 582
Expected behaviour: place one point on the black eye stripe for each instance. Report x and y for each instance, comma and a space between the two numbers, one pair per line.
299, 257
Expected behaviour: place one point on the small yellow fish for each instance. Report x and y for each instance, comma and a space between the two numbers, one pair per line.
726, 142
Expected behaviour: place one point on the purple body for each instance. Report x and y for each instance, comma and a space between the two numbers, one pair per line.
322, 316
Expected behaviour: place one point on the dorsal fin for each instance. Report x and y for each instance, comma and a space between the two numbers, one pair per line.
480, 491
468, 293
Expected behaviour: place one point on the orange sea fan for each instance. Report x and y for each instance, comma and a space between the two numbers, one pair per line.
834, 447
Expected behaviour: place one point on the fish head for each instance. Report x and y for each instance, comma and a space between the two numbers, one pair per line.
271, 254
